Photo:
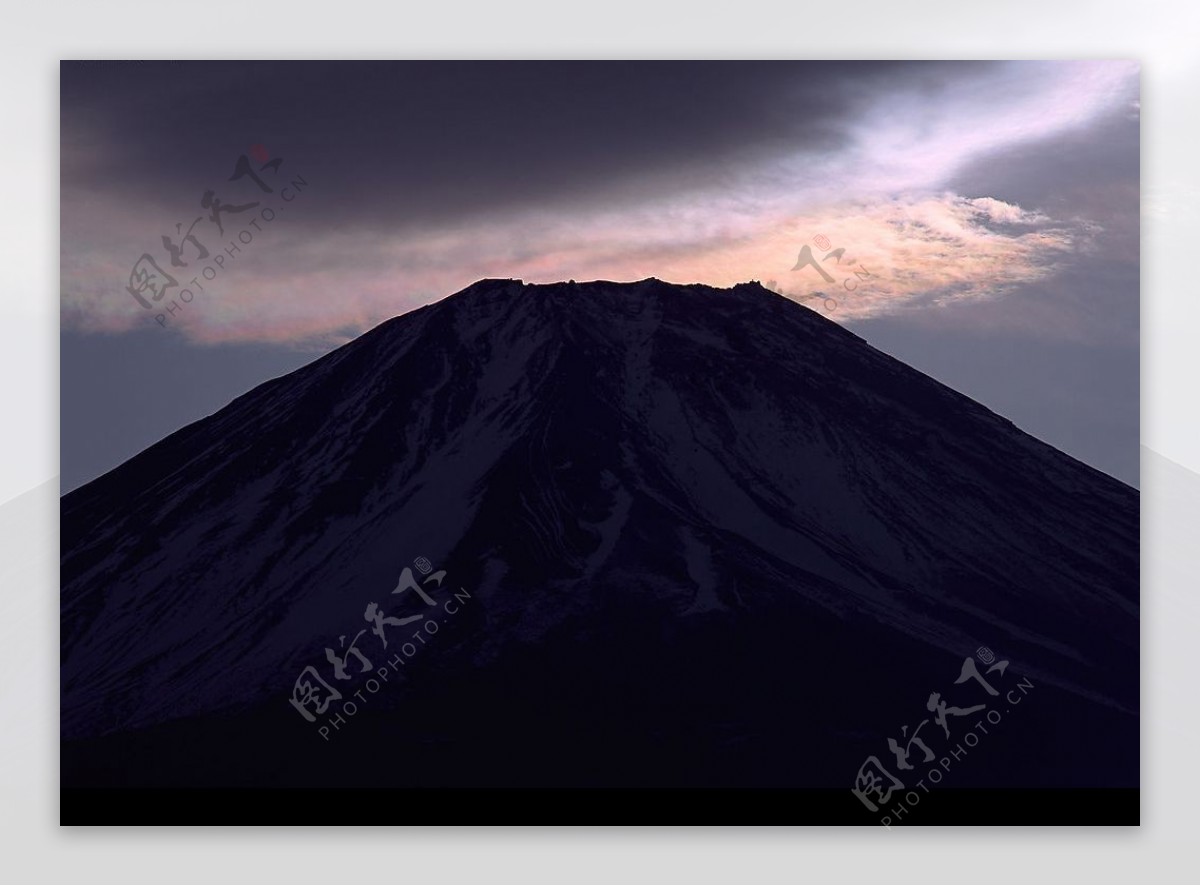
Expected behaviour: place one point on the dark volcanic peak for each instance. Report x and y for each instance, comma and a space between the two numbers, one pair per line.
696, 514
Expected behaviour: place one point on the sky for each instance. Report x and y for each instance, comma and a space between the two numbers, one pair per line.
977, 220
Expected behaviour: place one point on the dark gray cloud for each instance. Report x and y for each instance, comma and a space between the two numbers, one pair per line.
410, 142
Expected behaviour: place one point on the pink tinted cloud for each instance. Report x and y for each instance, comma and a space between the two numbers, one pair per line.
943, 246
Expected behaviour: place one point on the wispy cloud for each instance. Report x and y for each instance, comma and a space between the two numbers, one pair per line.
932, 250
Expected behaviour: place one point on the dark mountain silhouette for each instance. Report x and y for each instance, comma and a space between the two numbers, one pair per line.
709, 537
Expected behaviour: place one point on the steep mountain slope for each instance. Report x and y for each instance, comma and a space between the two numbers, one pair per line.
709, 537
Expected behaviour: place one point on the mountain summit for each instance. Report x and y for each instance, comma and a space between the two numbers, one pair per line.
697, 536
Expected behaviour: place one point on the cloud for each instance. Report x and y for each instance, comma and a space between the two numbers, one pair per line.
929, 250
860, 156
1008, 213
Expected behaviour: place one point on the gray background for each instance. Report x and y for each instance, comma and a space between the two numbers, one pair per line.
1162, 849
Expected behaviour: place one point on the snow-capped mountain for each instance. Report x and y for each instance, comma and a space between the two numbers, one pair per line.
698, 536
